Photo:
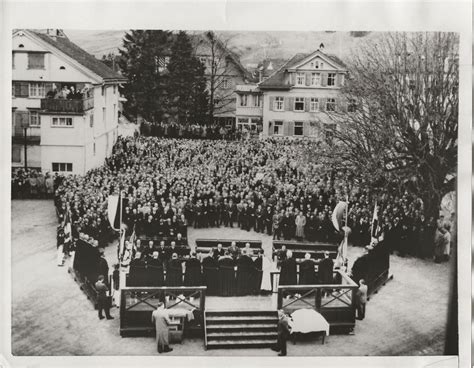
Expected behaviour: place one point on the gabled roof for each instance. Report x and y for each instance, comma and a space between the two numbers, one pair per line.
277, 79
232, 56
332, 59
69, 48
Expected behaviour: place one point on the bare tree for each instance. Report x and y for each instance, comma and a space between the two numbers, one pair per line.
219, 72
401, 121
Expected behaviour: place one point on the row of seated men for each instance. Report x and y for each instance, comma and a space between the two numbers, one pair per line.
305, 273
223, 275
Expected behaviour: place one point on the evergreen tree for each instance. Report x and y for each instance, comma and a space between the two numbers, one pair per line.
186, 86
141, 62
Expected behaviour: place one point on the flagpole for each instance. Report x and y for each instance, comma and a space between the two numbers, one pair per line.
345, 232
120, 226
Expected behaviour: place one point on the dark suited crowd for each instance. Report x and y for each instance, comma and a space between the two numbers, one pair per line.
273, 186
225, 272
190, 131
33, 184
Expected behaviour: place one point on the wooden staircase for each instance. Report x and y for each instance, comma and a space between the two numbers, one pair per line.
240, 329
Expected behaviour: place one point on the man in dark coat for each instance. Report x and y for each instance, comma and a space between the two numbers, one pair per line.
174, 272
325, 271
283, 333
210, 268
218, 252
102, 301
226, 275
288, 274
137, 275
192, 275
155, 271
244, 274
257, 272
307, 273
103, 268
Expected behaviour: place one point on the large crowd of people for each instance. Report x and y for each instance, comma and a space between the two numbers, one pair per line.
33, 184
191, 131
271, 186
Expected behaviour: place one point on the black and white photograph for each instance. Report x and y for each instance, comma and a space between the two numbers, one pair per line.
213, 191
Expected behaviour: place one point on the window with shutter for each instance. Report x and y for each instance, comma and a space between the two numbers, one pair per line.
35, 60
34, 118
331, 104
298, 130
300, 79
299, 104
278, 104
331, 79
314, 104
278, 128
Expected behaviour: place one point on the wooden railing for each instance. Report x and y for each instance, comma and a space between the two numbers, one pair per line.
67, 106
335, 302
138, 303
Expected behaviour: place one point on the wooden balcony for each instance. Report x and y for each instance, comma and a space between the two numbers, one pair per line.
56, 105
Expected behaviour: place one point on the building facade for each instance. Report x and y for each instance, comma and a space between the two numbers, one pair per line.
299, 96
59, 133
224, 73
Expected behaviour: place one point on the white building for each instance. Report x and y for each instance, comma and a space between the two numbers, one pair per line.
61, 135
298, 96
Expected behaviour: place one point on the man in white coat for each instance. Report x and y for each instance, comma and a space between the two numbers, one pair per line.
161, 320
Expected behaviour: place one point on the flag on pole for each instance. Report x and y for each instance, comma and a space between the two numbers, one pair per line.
113, 210
67, 225
342, 249
375, 228
338, 214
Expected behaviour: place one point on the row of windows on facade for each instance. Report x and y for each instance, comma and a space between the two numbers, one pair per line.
317, 79
34, 119
312, 104
40, 89
297, 128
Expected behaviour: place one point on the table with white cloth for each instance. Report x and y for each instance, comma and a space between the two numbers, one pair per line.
305, 321
178, 317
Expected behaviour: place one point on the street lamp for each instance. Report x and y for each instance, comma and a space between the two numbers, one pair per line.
25, 124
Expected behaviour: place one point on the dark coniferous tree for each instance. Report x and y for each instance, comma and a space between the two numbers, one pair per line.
187, 96
142, 60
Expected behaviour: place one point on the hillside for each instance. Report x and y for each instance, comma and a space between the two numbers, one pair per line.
252, 47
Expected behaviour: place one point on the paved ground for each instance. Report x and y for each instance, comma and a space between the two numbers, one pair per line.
51, 316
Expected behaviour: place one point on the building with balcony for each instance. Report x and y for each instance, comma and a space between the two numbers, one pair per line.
61, 132
249, 108
298, 96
